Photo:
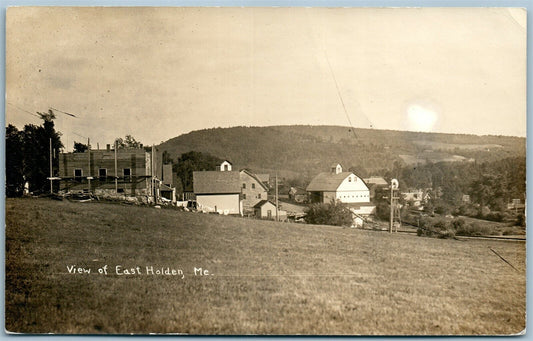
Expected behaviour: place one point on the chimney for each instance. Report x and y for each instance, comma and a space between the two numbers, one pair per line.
108, 147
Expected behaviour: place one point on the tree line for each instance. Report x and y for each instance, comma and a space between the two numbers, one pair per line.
28, 156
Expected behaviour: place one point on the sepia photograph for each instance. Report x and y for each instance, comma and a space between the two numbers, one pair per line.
265, 171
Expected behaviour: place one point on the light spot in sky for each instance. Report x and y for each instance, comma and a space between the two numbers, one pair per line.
421, 118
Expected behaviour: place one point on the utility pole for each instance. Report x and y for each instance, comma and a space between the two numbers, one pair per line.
116, 173
89, 173
277, 210
391, 208
154, 190
51, 173
393, 203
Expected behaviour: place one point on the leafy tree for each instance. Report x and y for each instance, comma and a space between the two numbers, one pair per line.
14, 162
35, 141
194, 161
37, 157
80, 147
481, 190
128, 142
333, 213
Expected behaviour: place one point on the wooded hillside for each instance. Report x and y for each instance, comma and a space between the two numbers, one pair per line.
308, 150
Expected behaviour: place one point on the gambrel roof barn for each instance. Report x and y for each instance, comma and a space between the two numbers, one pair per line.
338, 185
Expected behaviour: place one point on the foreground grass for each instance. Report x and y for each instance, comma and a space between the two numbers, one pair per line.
268, 278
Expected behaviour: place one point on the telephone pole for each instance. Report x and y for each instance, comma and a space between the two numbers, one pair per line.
89, 177
51, 173
394, 185
277, 210
116, 173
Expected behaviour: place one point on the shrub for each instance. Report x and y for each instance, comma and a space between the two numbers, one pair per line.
334, 213
383, 211
494, 216
435, 228
458, 224
473, 229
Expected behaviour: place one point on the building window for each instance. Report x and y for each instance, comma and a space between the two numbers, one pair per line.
78, 173
244, 186
127, 173
259, 196
253, 186
244, 196
226, 168
350, 179
269, 214
102, 174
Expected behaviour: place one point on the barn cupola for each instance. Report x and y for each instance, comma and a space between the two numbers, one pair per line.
336, 168
224, 166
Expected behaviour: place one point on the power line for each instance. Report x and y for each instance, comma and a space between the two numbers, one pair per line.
340, 96
79, 135
64, 112
21, 109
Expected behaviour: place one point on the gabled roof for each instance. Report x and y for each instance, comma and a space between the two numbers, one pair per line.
252, 175
327, 181
263, 177
216, 182
262, 202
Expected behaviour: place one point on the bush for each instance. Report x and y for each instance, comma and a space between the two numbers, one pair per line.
383, 211
435, 228
458, 224
494, 216
443, 209
334, 213
473, 229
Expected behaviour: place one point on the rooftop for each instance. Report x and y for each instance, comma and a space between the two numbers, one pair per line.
216, 182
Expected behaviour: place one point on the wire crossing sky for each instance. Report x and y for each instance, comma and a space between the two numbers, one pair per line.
156, 73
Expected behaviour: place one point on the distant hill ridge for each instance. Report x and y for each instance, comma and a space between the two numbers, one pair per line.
308, 150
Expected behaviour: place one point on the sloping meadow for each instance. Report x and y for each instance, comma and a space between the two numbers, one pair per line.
110, 268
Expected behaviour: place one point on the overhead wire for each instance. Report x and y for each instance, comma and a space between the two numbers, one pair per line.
352, 129
64, 112
21, 109
340, 95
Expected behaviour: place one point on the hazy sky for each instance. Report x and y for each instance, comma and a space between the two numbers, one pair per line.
156, 73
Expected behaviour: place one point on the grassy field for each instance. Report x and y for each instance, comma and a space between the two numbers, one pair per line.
264, 277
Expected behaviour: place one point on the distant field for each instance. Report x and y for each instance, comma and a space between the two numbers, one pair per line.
264, 277
431, 156
451, 146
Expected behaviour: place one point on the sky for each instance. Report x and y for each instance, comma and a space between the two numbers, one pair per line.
156, 73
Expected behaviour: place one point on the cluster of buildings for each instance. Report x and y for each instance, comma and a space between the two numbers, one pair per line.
226, 191
140, 173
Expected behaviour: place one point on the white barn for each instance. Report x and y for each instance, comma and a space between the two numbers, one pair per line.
336, 184
345, 187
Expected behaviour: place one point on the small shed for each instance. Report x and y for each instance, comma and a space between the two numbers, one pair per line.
265, 209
